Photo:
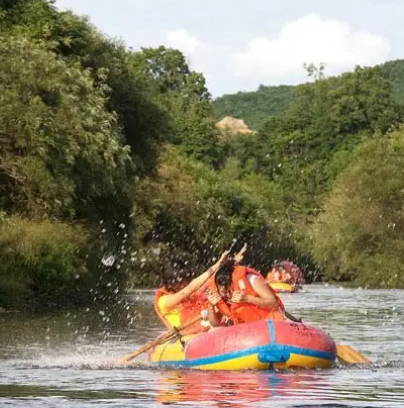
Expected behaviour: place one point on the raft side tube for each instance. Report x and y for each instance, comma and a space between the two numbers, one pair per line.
257, 345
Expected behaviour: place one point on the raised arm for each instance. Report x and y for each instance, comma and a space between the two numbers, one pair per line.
238, 258
174, 299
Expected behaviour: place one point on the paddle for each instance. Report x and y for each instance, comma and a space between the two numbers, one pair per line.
345, 353
159, 340
293, 318
348, 355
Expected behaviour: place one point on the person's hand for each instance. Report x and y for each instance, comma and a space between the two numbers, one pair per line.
223, 258
240, 255
214, 298
239, 297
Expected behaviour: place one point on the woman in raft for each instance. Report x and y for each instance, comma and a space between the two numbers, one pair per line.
278, 273
239, 295
181, 299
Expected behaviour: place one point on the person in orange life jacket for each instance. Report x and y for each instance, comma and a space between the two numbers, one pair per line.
285, 275
273, 275
182, 298
241, 294
237, 259
279, 274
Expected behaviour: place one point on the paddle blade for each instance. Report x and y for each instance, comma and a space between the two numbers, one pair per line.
348, 355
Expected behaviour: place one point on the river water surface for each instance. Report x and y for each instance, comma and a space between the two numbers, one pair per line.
64, 359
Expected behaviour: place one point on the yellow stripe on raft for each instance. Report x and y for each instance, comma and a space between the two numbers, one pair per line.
251, 362
283, 287
241, 363
297, 360
174, 350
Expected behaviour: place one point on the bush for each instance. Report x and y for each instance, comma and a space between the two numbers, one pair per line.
43, 262
360, 234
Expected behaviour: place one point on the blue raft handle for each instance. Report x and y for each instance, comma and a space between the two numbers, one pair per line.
273, 356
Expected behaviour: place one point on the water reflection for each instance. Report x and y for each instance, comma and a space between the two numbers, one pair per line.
235, 389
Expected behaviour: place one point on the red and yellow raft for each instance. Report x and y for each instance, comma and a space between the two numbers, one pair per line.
281, 287
260, 345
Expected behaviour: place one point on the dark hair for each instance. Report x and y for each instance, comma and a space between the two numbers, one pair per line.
176, 275
223, 276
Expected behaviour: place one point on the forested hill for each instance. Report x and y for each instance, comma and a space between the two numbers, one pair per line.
257, 106
394, 73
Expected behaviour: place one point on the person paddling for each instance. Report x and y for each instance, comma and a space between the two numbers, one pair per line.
241, 294
181, 298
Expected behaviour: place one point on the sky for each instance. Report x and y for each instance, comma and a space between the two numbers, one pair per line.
241, 44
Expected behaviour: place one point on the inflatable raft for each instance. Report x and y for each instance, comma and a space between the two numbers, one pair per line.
280, 287
260, 345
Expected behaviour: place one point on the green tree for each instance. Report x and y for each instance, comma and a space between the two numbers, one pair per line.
359, 234
144, 124
184, 94
327, 118
211, 208
63, 155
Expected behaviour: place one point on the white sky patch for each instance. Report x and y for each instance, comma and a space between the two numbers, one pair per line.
311, 39
193, 49
183, 41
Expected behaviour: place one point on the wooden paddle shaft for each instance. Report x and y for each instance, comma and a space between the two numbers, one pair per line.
161, 339
293, 318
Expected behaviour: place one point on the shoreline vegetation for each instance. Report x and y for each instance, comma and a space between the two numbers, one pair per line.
111, 165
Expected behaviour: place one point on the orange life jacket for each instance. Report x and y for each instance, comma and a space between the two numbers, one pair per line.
188, 310
247, 312
274, 276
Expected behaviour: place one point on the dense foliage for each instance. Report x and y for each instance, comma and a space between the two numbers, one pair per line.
111, 165
359, 234
255, 107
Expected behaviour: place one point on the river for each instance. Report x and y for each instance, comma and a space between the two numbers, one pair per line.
64, 359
